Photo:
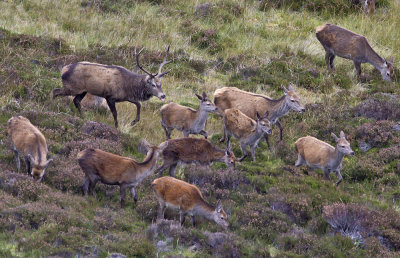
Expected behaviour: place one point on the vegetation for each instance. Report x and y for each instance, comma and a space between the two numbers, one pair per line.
248, 44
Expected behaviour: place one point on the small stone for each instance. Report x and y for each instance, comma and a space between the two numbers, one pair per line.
365, 146
116, 255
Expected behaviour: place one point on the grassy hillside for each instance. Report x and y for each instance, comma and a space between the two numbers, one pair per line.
253, 45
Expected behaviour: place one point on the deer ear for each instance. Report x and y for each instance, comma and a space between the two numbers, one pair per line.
258, 116
285, 91
30, 158
204, 95
335, 137
47, 163
198, 96
219, 206
291, 87
227, 152
342, 135
266, 114
391, 60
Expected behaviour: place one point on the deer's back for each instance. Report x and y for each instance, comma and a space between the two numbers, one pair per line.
314, 151
177, 116
248, 103
238, 123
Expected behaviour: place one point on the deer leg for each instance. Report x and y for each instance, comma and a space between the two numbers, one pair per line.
122, 192
228, 141
111, 105
267, 141
329, 57
133, 193
193, 220
85, 186
204, 133
137, 103
92, 184
339, 176
17, 161
244, 151
357, 65
182, 217
77, 101
300, 161
161, 210
326, 174
172, 169
163, 167
27, 165
223, 134
253, 153
167, 130
280, 130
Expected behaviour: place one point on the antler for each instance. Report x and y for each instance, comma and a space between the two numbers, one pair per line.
138, 64
164, 63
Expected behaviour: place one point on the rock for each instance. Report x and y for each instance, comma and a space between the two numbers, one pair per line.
215, 239
203, 9
381, 106
162, 246
365, 146
396, 128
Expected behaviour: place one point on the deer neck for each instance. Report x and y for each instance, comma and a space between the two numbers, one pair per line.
337, 158
255, 137
279, 109
373, 58
218, 155
147, 165
200, 120
204, 209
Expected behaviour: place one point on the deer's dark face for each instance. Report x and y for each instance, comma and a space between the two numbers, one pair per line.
154, 84
388, 71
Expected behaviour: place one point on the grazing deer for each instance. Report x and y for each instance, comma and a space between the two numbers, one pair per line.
112, 169
250, 104
27, 140
344, 43
319, 154
188, 120
114, 83
192, 150
188, 199
245, 129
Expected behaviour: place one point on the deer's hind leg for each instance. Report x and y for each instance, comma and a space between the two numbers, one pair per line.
77, 101
300, 161
329, 58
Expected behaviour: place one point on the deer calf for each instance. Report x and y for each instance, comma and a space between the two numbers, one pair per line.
344, 43
188, 199
245, 129
250, 104
27, 140
112, 169
185, 119
319, 154
192, 150
114, 83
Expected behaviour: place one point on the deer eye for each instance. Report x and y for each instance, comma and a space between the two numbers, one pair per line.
292, 100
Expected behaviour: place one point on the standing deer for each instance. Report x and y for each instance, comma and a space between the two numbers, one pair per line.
344, 43
192, 150
250, 104
114, 83
245, 129
26, 139
188, 199
112, 169
188, 120
319, 154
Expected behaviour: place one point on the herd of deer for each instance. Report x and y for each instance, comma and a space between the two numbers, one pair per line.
246, 116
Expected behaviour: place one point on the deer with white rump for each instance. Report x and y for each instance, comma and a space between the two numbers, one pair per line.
114, 83
250, 104
319, 154
185, 119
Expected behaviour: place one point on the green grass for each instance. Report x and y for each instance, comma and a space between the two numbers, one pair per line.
244, 44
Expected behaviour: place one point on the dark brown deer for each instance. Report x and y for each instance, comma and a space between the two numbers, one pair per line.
344, 43
114, 83
192, 150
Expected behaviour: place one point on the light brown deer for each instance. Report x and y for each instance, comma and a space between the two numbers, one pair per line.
27, 140
319, 154
250, 104
114, 83
245, 129
112, 169
188, 199
192, 150
338, 41
185, 119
